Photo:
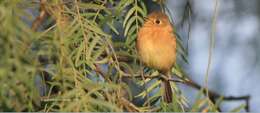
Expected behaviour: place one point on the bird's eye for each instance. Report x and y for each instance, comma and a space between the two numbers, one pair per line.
157, 21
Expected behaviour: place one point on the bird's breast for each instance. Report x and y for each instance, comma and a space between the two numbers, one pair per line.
157, 49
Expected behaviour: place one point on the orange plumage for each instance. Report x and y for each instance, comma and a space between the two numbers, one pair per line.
156, 45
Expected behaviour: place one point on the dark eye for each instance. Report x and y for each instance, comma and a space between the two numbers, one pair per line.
157, 21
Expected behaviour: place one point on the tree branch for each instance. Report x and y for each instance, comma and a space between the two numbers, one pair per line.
213, 95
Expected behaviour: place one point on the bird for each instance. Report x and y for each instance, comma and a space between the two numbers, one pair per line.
156, 47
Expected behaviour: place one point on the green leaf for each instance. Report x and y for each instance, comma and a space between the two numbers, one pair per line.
128, 15
143, 7
131, 39
149, 89
113, 28
78, 54
128, 25
140, 10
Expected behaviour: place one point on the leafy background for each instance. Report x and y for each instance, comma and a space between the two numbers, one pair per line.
80, 55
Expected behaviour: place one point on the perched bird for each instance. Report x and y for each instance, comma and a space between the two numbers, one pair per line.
156, 46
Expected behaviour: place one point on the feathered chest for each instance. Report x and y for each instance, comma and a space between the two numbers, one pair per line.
156, 48
155, 38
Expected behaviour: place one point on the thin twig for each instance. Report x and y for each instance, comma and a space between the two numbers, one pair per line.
129, 105
43, 13
212, 44
140, 76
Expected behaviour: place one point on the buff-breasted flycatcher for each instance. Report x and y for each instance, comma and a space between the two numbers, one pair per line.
156, 45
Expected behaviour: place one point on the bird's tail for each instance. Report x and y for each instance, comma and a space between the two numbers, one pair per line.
167, 91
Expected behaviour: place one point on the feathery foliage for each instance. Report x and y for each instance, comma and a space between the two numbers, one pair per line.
81, 57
